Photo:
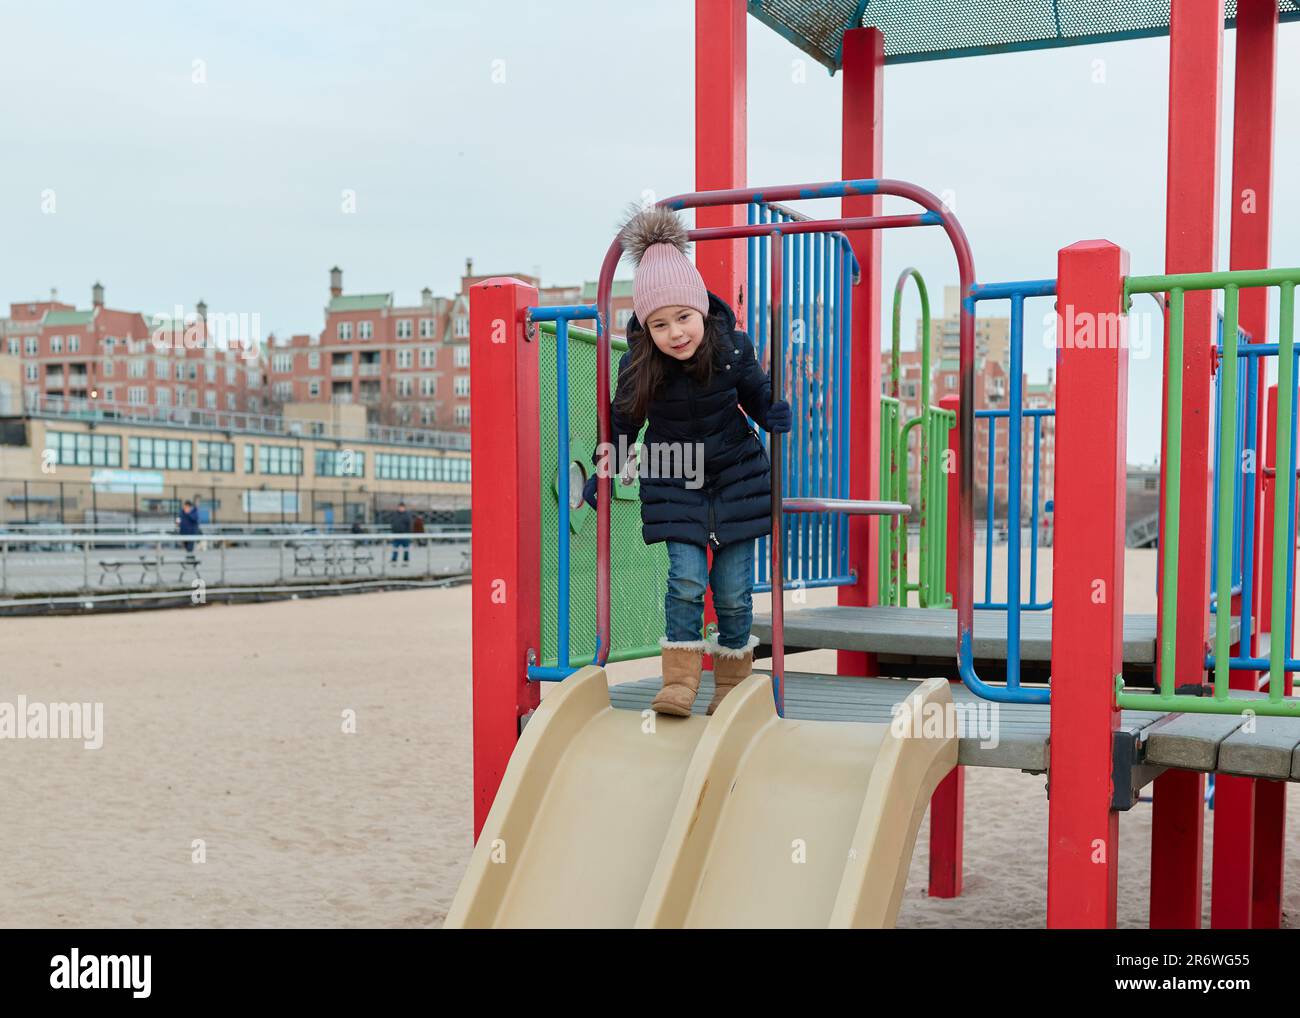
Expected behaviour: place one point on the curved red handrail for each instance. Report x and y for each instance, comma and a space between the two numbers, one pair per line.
936, 214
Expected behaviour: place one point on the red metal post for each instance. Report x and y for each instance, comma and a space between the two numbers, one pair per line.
1087, 583
506, 509
1195, 87
862, 157
1270, 796
720, 154
947, 804
1238, 848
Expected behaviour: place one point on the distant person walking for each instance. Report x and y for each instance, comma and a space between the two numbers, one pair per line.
401, 524
188, 523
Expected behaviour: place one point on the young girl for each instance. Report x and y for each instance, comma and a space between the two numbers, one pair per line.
686, 368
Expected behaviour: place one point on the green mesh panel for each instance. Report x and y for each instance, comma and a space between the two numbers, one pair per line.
638, 572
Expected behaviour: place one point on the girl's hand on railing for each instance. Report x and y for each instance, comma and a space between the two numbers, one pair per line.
778, 418
589, 491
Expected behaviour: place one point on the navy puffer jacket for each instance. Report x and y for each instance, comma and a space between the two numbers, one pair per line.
734, 501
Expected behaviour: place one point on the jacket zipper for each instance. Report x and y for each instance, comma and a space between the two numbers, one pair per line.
713, 538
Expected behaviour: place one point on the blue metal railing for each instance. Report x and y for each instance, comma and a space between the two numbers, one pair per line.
1017, 293
816, 311
562, 315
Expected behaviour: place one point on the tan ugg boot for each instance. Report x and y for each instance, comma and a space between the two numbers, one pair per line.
731, 666
682, 663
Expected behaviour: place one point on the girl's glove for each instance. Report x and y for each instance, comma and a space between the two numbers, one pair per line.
778, 418
589, 490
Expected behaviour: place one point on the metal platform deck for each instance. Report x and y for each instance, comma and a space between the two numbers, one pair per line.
1147, 742
930, 634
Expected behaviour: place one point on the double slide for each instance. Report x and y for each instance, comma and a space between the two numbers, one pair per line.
619, 818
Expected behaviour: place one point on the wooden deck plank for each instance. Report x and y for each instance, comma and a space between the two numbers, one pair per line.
1189, 741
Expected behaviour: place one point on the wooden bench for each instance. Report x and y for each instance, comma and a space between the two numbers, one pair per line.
153, 565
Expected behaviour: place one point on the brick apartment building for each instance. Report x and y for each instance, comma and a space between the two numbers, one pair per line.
110, 358
407, 364
992, 392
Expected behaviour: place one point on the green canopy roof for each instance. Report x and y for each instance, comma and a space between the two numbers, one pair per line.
927, 31
68, 317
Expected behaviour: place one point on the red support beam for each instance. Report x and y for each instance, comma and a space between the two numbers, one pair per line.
862, 157
1087, 584
720, 159
948, 803
1195, 90
1238, 847
506, 504
1270, 796
720, 142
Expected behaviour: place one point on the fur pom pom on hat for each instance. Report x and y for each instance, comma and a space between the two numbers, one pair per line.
655, 239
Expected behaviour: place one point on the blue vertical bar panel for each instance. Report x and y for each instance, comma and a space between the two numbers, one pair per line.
988, 512
805, 349
562, 464
819, 407
1015, 435
787, 359
846, 373
1247, 526
1033, 517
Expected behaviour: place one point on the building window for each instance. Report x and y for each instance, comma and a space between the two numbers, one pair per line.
462, 417
462, 326
365, 330
230, 375
137, 395
163, 397
279, 459
403, 387
75, 449
426, 328
426, 415
74, 344
462, 385
218, 457
108, 366
282, 363
210, 400
33, 372
161, 453
31, 345
462, 356
402, 467
56, 344
403, 328
428, 386
249, 454
160, 368
313, 359
345, 330
231, 401
15, 346
404, 358
340, 463
283, 391
621, 317
313, 388
136, 369
428, 357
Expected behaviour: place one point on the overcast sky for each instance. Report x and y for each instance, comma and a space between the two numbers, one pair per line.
209, 152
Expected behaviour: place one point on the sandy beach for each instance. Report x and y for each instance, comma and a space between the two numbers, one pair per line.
229, 791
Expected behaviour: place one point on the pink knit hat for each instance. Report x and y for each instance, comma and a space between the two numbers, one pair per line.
656, 241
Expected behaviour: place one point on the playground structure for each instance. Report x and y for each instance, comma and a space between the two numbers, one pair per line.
585, 764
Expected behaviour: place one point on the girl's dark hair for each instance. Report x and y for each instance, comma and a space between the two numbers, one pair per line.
645, 371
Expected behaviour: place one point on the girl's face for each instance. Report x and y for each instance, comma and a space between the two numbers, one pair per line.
677, 331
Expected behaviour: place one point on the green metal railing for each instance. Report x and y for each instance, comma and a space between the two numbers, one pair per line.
1231, 283
932, 425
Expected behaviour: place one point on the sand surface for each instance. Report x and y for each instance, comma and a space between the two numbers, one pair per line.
224, 725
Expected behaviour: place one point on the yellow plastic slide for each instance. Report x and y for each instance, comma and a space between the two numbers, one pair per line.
618, 818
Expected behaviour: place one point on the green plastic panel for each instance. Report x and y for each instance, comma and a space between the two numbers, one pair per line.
639, 572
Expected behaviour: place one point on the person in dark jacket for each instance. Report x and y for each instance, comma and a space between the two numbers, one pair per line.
401, 523
705, 476
188, 523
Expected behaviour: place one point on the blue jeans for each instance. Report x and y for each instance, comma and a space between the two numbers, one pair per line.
732, 580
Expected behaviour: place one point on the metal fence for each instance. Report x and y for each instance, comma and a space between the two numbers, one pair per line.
81, 504
81, 563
